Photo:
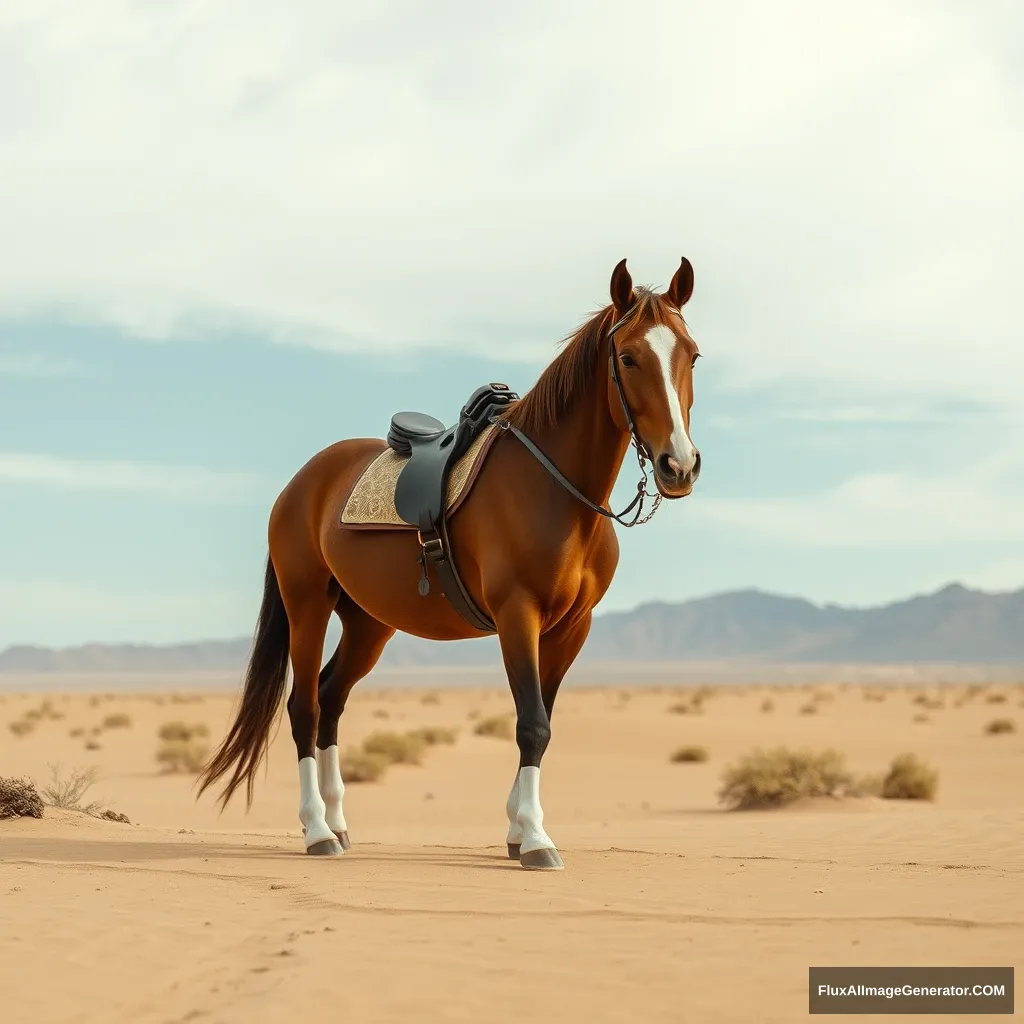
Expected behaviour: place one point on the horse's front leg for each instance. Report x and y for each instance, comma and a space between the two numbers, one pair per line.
535, 667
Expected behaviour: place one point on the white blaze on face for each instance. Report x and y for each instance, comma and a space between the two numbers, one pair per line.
663, 343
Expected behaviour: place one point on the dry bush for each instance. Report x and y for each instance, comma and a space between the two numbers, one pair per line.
824, 696
687, 707
179, 731
69, 792
117, 720
430, 698
921, 718
92, 745
930, 703
77, 731
186, 756
777, 777
22, 727
19, 799
998, 726
996, 698
909, 778
396, 747
767, 705
434, 735
501, 727
381, 713
692, 754
94, 702
362, 766
809, 709
876, 696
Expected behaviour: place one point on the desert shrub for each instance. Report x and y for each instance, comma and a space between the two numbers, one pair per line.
92, 745
430, 698
767, 705
77, 731
19, 799
68, 792
435, 735
877, 696
115, 816
117, 720
397, 747
182, 755
362, 766
809, 709
921, 718
22, 726
381, 713
687, 707
500, 727
909, 778
930, 703
996, 698
182, 731
999, 726
779, 776
692, 754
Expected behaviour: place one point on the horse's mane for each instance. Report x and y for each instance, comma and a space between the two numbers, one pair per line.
567, 376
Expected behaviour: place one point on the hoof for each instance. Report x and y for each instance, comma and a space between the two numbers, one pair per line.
325, 848
346, 843
513, 851
541, 860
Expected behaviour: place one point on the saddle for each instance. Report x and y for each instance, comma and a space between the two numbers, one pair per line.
431, 450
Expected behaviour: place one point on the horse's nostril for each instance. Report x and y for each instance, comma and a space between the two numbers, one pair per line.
696, 464
665, 466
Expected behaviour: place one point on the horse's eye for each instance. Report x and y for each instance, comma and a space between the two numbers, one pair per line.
627, 359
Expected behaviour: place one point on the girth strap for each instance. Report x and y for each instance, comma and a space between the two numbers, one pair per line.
437, 554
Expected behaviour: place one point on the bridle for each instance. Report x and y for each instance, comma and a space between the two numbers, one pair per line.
643, 453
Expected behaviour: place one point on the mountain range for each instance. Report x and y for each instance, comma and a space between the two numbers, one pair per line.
952, 625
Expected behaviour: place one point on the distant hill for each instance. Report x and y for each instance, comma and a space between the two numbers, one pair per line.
953, 625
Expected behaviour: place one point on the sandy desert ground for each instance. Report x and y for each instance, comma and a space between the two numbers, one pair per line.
671, 908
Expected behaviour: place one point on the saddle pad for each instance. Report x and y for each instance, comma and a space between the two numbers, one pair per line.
371, 502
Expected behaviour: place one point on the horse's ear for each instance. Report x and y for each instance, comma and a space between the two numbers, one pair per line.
681, 288
622, 288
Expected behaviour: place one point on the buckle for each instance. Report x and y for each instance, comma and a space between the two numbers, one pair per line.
430, 542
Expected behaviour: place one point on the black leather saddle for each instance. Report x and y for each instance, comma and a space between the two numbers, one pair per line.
422, 488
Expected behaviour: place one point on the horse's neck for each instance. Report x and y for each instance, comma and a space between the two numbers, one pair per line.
586, 444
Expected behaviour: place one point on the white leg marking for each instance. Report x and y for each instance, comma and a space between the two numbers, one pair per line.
311, 804
531, 816
663, 344
332, 787
515, 830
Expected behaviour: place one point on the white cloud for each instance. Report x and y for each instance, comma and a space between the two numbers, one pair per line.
187, 483
964, 504
843, 177
122, 615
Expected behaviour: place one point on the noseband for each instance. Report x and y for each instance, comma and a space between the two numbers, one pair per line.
643, 453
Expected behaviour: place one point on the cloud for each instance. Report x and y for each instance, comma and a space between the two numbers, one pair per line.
961, 505
183, 483
843, 178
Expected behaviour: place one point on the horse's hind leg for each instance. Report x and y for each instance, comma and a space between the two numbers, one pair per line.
309, 610
363, 638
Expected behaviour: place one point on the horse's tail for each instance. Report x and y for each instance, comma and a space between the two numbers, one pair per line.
245, 745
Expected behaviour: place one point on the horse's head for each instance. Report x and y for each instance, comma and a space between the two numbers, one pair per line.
652, 360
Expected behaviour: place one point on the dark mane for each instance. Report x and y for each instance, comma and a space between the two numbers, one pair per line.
568, 375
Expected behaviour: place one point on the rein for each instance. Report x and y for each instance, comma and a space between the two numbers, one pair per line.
642, 453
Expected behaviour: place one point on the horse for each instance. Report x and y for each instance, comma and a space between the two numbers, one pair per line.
533, 540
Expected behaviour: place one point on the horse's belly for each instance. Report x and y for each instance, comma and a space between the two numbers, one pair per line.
379, 570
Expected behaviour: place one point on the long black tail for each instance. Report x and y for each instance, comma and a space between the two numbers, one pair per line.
245, 745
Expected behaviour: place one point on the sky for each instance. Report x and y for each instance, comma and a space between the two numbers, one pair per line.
233, 233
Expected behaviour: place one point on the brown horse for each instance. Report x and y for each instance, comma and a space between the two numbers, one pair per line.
536, 555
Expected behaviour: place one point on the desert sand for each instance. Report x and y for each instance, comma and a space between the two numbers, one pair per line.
671, 908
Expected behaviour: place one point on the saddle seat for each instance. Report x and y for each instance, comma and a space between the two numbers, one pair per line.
431, 450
